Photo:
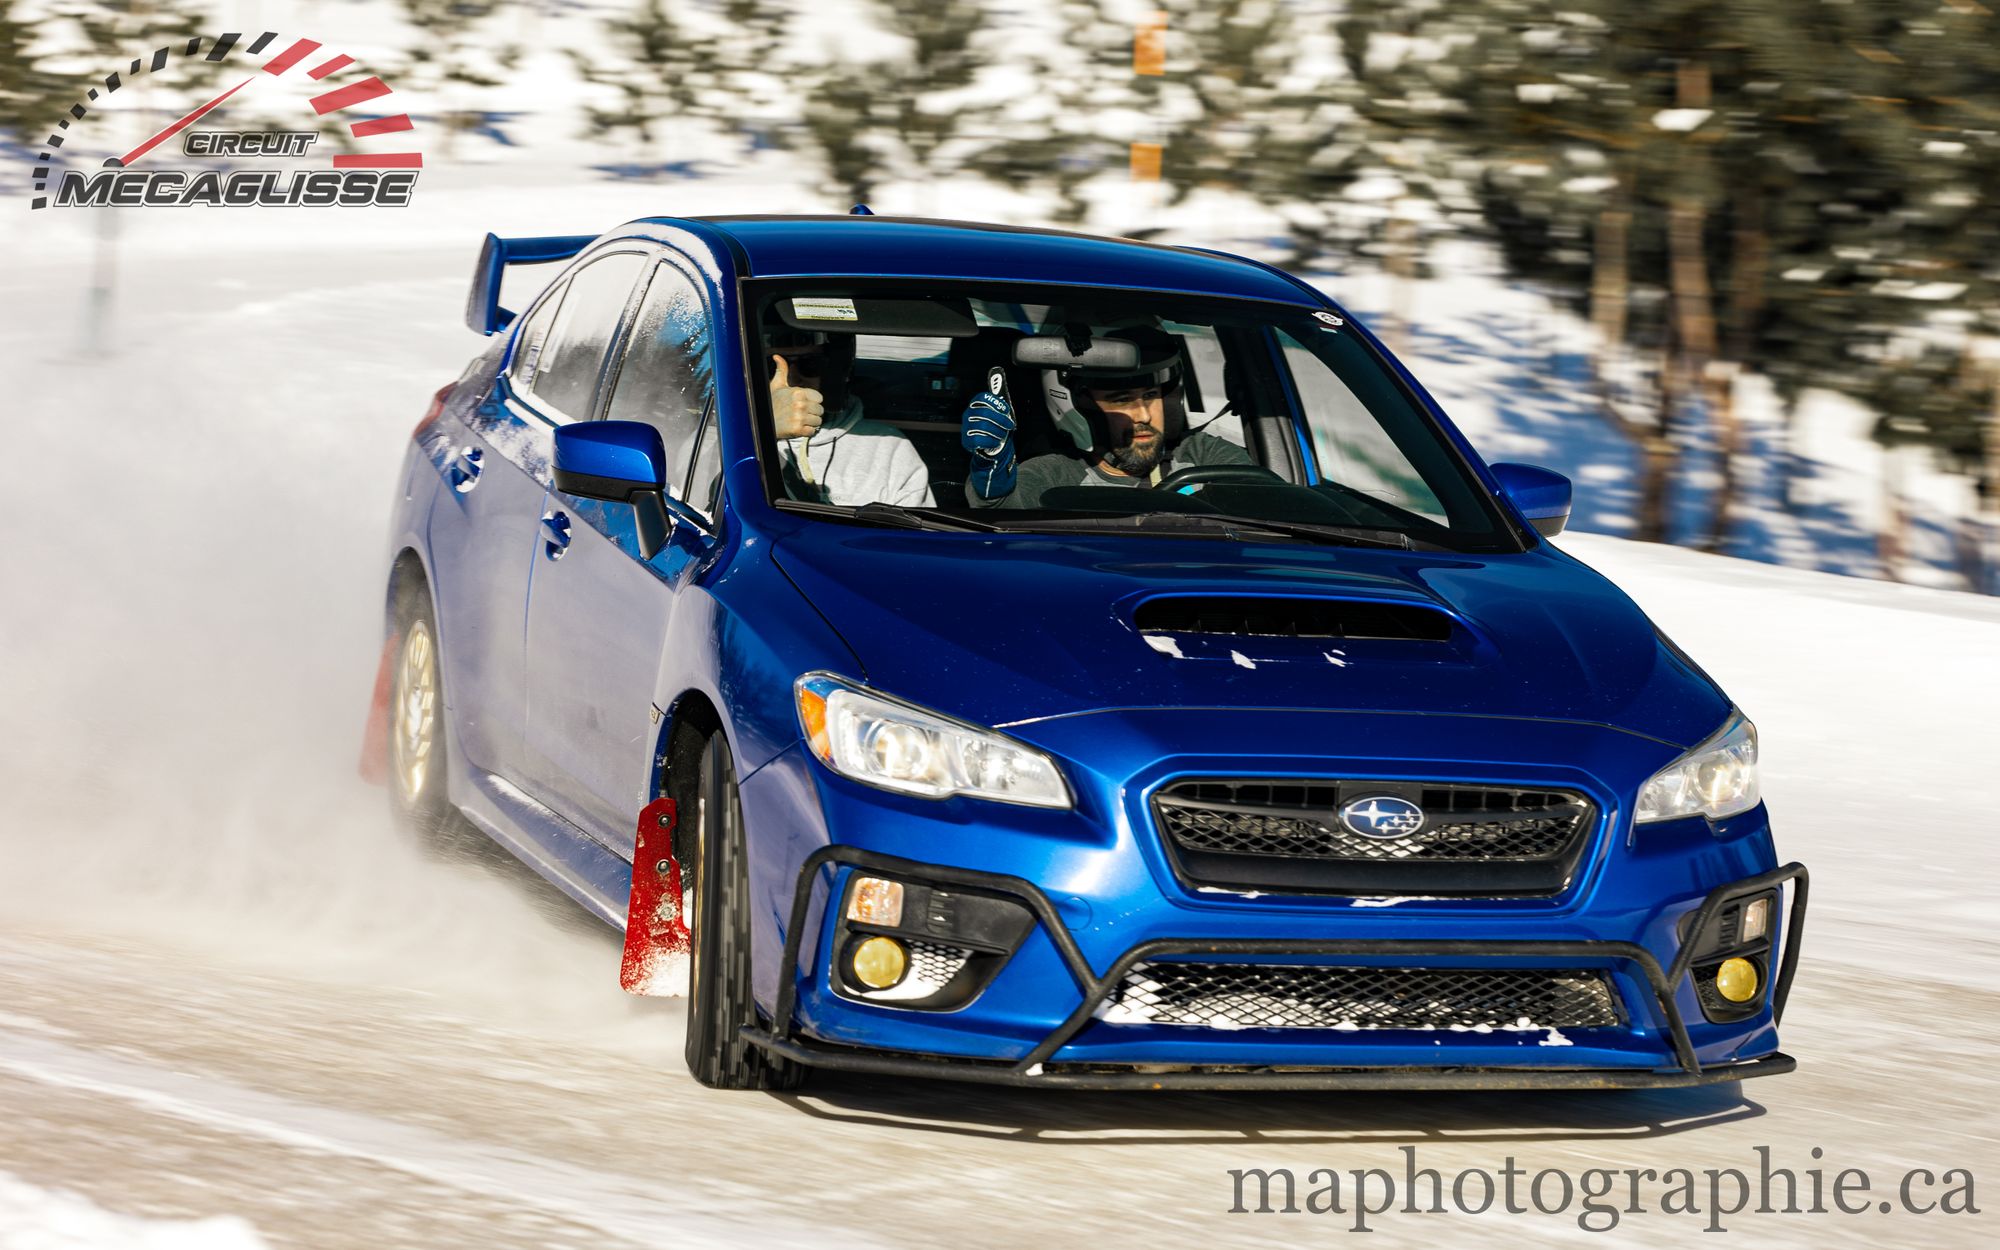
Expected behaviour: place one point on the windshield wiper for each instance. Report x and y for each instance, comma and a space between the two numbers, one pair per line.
920, 518
1361, 535
1231, 526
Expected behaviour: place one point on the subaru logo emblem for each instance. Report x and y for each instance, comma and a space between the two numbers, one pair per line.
1382, 816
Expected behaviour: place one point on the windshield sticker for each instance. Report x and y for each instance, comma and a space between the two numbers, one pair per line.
1329, 321
824, 310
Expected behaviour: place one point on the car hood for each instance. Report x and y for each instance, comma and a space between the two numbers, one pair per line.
1001, 629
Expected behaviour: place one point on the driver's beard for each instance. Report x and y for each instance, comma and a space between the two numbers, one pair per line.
1131, 460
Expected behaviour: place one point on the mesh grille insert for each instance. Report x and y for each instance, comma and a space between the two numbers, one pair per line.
1294, 819
1287, 836
1293, 996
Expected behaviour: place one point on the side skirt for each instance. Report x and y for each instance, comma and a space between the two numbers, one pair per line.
573, 861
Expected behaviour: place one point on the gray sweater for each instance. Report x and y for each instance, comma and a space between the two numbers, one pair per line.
1049, 472
853, 461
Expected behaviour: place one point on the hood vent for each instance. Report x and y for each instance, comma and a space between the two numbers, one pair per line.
1292, 618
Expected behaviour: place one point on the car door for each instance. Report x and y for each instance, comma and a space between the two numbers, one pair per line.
480, 534
597, 618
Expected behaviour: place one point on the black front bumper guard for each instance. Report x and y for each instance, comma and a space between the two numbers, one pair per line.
779, 1038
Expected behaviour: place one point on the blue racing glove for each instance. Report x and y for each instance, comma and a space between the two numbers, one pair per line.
986, 429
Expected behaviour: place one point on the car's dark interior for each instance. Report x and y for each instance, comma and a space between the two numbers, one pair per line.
921, 384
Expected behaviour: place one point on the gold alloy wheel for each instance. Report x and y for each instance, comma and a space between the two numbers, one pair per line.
413, 713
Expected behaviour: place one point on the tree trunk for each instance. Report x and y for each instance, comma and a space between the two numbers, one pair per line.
1749, 267
1401, 237
1719, 391
1694, 305
1992, 501
1788, 457
1891, 540
1610, 291
1653, 448
1658, 450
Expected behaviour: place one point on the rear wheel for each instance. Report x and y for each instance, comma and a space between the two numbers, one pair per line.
719, 1000
416, 726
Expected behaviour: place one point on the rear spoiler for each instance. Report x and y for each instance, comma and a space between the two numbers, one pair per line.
482, 306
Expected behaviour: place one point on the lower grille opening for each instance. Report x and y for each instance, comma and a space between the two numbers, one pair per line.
1295, 996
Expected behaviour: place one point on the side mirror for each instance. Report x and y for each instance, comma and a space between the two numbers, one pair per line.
618, 462
1541, 495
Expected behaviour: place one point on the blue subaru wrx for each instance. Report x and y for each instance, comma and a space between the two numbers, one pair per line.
1015, 656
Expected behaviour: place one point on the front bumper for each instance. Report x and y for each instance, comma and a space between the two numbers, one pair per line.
1677, 1066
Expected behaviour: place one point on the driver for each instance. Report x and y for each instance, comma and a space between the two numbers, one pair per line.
1135, 418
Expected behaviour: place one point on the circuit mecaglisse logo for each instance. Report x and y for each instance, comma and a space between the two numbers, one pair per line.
370, 177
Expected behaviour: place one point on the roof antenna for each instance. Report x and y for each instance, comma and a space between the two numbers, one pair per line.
861, 210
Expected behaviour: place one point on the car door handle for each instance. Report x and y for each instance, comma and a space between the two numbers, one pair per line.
466, 468
555, 532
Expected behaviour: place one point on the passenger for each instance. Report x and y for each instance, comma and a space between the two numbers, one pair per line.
847, 460
1135, 423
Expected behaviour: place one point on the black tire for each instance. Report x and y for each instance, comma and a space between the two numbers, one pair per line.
416, 763
719, 998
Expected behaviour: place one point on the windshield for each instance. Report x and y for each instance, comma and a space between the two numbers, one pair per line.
1058, 409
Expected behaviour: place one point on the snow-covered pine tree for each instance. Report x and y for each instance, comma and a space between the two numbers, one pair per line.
909, 114
454, 54
649, 76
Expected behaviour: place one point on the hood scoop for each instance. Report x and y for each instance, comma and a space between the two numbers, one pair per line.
1308, 620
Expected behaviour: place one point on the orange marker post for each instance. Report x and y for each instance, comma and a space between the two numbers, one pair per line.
1149, 45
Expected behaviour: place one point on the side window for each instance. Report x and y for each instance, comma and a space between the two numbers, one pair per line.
534, 336
1206, 396
705, 484
668, 376
566, 373
1349, 443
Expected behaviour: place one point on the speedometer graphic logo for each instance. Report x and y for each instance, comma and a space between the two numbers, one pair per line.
189, 163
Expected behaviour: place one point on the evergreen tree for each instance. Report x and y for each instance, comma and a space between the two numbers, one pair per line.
1722, 183
1075, 119
719, 69
650, 75
454, 51
32, 94
911, 114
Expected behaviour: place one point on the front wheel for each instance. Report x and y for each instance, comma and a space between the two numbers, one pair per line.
719, 999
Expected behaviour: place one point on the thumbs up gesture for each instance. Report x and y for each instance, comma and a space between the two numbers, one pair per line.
799, 410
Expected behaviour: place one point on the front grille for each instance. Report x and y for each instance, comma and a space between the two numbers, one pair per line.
1296, 996
1287, 836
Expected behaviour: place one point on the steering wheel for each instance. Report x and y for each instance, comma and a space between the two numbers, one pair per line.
1196, 473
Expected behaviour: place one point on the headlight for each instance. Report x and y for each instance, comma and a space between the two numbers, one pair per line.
898, 746
1716, 779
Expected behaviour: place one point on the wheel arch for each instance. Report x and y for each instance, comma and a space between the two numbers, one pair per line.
691, 714
407, 573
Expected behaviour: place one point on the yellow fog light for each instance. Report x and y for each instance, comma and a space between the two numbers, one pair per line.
880, 962
1736, 980
876, 901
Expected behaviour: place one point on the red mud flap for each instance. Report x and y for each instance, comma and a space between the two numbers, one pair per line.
374, 767
657, 942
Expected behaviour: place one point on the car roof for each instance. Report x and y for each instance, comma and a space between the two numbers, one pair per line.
782, 246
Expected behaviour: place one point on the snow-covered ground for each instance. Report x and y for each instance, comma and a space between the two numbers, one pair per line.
235, 1009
